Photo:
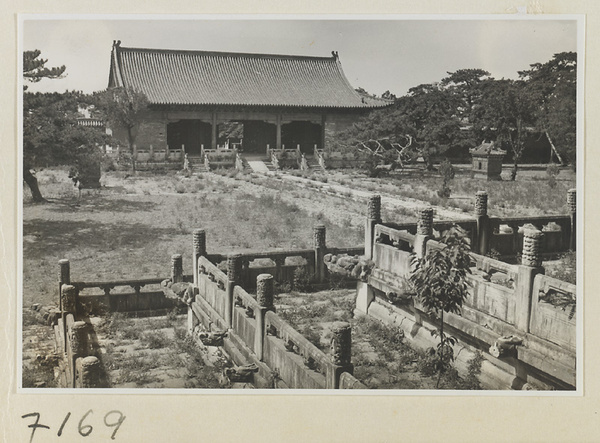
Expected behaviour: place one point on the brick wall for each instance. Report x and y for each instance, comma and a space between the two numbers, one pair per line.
152, 131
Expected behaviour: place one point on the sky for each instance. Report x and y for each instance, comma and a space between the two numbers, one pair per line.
377, 55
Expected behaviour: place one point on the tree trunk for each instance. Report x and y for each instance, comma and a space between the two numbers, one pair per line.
32, 182
132, 150
553, 149
131, 140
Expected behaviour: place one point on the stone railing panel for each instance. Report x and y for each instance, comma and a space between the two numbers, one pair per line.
298, 362
553, 319
211, 285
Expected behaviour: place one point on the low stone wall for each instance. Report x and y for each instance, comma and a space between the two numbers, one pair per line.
257, 335
504, 300
284, 264
285, 158
340, 160
219, 158
79, 367
502, 236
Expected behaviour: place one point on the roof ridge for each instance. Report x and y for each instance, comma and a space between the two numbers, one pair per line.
227, 53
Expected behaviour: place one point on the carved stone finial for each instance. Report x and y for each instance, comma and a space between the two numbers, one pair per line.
234, 267
532, 240
319, 236
78, 338
341, 343
176, 268
264, 290
425, 222
481, 203
199, 236
572, 199
69, 298
374, 207
90, 372
64, 275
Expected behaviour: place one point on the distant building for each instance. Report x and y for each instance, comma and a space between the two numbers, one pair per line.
280, 99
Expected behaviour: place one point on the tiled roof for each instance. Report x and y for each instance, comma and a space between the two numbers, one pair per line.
173, 77
487, 148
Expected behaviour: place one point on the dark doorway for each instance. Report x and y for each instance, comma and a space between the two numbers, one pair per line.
191, 134
257, 135
305, 134
231, 135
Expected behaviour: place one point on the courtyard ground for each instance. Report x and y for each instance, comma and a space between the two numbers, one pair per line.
132, 225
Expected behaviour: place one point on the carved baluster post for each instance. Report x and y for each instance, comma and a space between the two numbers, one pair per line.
199, 237
199, 241
78, 339
90, 372
424, 231
234, 271
531, 265
319, 235
572, 202
264, 297
68, 297
373, 218
79, 343
176, 268
341, 353
64, 278
484, 232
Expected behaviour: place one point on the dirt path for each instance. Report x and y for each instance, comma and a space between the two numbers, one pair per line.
389, 202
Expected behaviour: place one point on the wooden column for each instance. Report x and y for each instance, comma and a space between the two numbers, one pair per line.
214, 131
323, 119
278, 123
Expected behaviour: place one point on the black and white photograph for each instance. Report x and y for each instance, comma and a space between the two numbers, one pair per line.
382, 204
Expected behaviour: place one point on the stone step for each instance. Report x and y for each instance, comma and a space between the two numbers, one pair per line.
259, 166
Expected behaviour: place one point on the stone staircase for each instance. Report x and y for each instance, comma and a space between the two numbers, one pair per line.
197, 164
313, 163
260, 166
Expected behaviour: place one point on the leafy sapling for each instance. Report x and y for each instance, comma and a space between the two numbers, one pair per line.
440, 281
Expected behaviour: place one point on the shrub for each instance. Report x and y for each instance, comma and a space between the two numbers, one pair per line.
447, 172
302, 279
156, 340
567, 271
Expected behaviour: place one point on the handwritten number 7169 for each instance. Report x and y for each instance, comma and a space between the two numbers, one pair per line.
112, 419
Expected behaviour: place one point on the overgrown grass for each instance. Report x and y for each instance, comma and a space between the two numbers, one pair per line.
381, 356
159, 343
531, 193
122, 233
565, 269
